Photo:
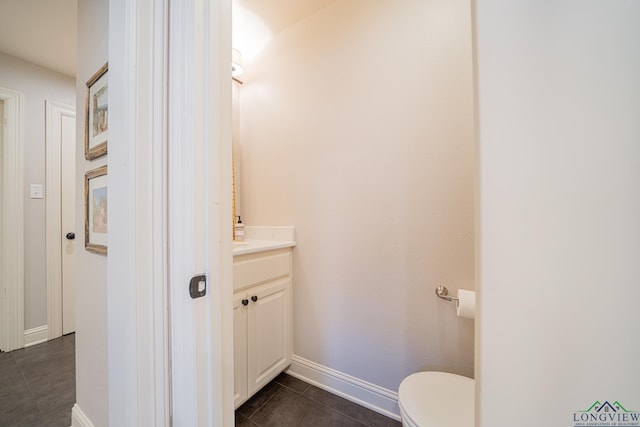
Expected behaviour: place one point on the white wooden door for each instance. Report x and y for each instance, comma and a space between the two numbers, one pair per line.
60, 217
68, 205
240, 348
269, 332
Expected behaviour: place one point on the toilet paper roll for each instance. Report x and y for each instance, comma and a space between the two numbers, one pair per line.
466, 306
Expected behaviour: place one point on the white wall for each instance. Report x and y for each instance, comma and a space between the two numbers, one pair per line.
37, 84
559, 150
357, 128
91, 268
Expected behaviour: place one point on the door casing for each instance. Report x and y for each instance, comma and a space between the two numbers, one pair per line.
12, 262
170, 359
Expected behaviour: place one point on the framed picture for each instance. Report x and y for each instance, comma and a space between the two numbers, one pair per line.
97, 111
95, 210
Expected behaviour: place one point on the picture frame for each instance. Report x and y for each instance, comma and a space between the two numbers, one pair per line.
95, 216
97, 114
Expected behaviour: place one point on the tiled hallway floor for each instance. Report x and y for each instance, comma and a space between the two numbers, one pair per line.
37, 388
38, 384
289, 402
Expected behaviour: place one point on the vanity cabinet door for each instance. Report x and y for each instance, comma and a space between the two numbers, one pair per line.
269, 331
240, 308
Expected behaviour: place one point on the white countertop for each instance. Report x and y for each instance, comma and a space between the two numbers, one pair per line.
260, 239
250, 246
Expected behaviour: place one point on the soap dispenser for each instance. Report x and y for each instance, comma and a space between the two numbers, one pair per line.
239, 229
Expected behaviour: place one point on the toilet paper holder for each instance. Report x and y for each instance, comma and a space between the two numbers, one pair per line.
443, 292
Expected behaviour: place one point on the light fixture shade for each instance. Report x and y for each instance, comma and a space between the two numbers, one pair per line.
236, 63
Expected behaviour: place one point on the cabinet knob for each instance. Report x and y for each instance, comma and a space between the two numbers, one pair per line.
71, 236
245, 302
254, 298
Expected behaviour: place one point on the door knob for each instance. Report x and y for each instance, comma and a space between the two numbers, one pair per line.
71, 236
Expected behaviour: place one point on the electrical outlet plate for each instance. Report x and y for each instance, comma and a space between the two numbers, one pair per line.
37, 191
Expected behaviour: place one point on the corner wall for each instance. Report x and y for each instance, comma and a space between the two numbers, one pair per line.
91, 268
357, 128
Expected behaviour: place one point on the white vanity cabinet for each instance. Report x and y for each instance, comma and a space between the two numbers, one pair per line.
262, 319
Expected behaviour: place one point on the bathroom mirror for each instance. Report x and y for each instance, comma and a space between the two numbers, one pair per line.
235, 152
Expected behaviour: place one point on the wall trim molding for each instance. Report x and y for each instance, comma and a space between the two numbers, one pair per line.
78, 418
35, 336
363, 393
12, 262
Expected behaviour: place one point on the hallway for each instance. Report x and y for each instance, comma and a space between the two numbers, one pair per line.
37, 384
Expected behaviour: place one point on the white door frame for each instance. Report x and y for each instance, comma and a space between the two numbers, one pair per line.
137, 303
54, 111
12, 263
170, 356
199, 156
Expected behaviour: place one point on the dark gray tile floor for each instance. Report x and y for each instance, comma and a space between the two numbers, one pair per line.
288, 402
38, 384
37, 388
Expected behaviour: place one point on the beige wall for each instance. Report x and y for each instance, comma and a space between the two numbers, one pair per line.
357, 128
36, 84
91, 268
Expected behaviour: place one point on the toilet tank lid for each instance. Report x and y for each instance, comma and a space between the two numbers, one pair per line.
438, 399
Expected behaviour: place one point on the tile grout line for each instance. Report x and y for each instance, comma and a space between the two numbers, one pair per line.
262, 406
253, 422
296, 392
271, 398
308, 387
33, 397
334, 409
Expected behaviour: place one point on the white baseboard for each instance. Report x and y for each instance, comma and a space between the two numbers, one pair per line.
78, 418
354, 389
35, 336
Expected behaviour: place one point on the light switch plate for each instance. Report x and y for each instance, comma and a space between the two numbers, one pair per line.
37, 191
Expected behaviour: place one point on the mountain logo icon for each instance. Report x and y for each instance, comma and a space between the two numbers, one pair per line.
607, 407
606, 414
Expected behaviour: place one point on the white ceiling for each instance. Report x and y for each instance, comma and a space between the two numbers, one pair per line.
40, 31
44, 31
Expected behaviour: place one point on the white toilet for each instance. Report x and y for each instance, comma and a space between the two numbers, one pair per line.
436, 399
